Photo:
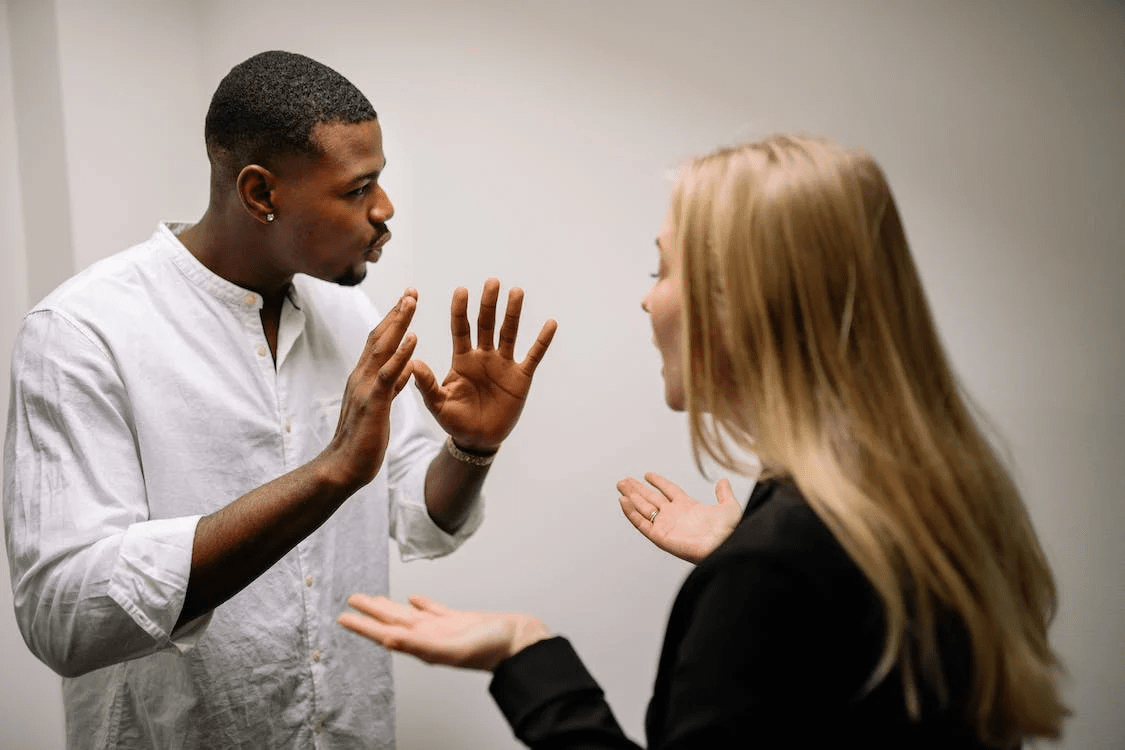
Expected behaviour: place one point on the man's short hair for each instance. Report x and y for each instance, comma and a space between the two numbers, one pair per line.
267, 107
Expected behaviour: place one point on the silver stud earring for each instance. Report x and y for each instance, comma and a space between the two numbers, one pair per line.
269, 217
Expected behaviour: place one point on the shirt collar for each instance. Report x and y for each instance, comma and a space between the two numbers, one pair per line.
205, 278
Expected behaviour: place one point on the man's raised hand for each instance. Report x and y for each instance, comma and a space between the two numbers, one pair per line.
481, 398
356, 451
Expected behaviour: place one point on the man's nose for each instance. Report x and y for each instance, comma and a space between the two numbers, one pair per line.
382, 210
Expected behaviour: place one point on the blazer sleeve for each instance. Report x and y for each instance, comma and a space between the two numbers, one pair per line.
732, 671
736, 664
551, 701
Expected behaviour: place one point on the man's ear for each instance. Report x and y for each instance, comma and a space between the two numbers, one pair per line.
255, 186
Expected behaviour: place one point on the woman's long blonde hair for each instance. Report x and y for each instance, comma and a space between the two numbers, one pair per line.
809, 342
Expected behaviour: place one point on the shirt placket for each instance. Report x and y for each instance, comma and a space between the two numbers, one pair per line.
289, 334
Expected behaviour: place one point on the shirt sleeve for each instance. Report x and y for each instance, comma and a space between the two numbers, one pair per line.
411, 449
95, 581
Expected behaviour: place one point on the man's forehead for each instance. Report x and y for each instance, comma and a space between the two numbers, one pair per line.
353, 146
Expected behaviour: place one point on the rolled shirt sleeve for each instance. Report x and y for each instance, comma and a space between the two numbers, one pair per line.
411, 449
95, 581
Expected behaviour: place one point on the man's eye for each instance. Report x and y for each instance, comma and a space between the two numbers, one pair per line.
361, 191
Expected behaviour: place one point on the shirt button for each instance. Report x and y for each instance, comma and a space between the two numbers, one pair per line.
308, 580
319, 727
261, 351
288, 426
316, 655
250, 299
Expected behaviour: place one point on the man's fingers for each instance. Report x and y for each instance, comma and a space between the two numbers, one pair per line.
511, 327
539, 347
427, 384
459, 321
486, 318
385, 337
404, 377
398, 365
410, 292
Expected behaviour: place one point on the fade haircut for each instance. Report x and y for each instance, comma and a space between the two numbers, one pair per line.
268, 105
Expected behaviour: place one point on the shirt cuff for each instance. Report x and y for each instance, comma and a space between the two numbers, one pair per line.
417, 535
149, 580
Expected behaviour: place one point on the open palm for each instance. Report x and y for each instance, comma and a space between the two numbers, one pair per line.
682, 526
437, 634
481, 398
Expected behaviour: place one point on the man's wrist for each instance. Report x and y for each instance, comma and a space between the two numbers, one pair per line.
332, 476
466, 455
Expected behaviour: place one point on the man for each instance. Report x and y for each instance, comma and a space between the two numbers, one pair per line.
189, 501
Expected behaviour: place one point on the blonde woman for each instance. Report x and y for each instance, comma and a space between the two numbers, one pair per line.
884, 586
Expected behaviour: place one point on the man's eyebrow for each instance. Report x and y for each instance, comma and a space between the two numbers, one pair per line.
372, 174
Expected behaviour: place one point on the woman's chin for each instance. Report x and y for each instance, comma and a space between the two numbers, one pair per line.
674, 400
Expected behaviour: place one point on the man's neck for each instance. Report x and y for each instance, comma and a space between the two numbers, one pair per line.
234, 253
211, 241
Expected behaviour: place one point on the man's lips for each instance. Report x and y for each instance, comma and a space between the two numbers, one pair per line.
375, 249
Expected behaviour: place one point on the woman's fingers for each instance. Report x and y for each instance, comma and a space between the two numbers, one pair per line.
645, 497
636, 516
669, 490
383, 609
641, 500
724, 493
365, 626
426, 604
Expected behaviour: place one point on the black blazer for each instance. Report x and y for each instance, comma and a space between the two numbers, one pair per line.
769, 644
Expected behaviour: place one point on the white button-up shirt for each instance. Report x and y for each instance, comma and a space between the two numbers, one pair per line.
144, 397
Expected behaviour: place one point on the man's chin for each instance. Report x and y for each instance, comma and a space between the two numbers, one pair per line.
353, 277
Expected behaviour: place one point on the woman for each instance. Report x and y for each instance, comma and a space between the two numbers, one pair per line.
884, 584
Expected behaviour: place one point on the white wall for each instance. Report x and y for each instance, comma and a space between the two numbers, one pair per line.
134, 99
530, 140
30, 695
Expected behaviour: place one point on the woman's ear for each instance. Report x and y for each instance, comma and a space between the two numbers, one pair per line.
255, 190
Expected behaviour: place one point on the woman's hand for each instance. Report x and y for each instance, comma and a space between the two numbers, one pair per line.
687, 529
437, 634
